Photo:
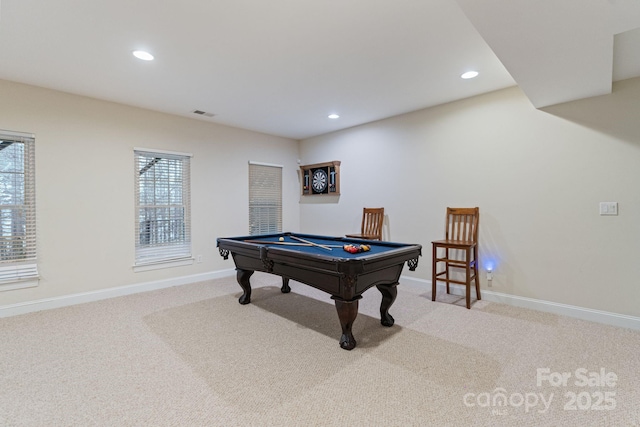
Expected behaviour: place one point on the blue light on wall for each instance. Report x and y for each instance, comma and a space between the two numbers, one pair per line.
488, 266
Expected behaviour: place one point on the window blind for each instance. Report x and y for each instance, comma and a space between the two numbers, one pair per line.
17, 207
265, 198
163, 206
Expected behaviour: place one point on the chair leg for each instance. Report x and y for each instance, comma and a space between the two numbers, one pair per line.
475, 251
468, 277
446, 266
433, 275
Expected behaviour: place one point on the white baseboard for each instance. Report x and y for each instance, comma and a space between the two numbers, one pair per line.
66, 300
582, 313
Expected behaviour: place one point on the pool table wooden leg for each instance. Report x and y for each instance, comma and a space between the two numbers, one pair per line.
389, 293
285, 289
347, 312
243, 279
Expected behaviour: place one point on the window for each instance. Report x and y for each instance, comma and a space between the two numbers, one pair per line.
163, 217
265, 198
17, 211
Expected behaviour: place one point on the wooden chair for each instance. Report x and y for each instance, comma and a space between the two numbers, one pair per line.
460, 250
372, 220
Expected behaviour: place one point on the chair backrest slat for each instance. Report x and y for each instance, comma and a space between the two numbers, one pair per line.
372, 220
462, 224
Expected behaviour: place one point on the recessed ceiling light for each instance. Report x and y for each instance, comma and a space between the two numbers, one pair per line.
469, 74
334, 116
141, 54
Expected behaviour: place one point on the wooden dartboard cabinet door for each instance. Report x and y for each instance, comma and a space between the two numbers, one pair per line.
321, 178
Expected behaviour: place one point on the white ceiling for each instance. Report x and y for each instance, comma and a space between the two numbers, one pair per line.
281, 66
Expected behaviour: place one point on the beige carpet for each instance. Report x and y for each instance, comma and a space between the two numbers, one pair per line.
192, 356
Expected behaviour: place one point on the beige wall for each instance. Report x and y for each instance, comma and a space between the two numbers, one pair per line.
537, 176
85, 194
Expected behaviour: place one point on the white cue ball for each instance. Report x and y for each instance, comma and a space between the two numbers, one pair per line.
281, 239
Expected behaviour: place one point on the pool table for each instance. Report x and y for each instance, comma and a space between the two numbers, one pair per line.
321, 262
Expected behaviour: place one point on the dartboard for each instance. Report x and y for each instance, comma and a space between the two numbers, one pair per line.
319, 181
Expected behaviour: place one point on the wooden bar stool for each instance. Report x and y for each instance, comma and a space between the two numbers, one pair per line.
460, 247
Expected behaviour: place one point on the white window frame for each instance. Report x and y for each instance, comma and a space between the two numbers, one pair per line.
265, 198
151, 250
18, 271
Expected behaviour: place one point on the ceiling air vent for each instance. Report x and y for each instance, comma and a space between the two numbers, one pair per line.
203, 113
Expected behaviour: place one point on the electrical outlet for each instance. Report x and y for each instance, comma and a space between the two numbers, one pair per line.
199, 259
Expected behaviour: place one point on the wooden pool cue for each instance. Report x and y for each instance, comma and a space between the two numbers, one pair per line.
278, 243
311, 243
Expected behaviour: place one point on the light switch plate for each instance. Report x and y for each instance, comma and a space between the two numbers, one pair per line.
608, 208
